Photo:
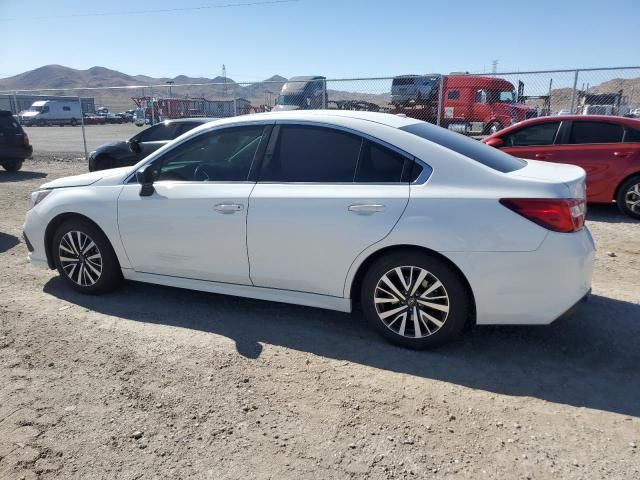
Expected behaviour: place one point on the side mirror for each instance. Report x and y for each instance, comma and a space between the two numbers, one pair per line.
134, 145
145, 177
495, 142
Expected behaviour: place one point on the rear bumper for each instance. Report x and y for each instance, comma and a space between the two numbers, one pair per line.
530, 288
15, 153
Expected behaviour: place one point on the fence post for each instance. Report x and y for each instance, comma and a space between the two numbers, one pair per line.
84, 137
440, 100
573, 91
324, 94
15, 102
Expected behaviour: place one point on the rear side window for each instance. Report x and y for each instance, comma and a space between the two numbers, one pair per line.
379, 164
184, 127
9, 124
66, 109
399, 82
473, 149
632, 136
541, 134
595, 132
312, 154
453, 94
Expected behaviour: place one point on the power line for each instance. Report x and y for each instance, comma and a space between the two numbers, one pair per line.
145, 12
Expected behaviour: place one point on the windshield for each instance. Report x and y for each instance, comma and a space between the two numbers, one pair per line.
35, 109
297, 100
507, 96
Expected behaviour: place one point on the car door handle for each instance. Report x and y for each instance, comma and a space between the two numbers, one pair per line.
366, 208
228, 207
621, 154
543, 155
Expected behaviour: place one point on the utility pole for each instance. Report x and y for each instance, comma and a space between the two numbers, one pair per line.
494, 66
224, 79
170, 82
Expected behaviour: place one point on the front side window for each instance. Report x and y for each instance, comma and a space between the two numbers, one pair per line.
312, 154
158, 133
506, 96
595, 132
541, 134
66, 109
221, 155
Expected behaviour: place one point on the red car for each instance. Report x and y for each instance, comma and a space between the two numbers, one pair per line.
608, 148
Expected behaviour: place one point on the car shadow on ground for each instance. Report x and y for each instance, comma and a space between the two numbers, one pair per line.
19, 176
609, 213
7, 242
589, 360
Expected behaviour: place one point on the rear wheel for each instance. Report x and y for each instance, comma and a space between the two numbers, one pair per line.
74, 122
13, 166
628, 197
84, 257
415, 300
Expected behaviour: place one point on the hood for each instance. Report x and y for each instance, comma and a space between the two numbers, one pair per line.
115, 144
29, 114
108, 177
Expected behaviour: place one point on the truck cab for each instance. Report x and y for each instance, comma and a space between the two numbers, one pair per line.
481, 105
303, 93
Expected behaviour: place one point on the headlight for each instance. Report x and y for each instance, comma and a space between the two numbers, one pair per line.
37, 197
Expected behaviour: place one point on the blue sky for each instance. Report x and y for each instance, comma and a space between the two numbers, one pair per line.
335, 38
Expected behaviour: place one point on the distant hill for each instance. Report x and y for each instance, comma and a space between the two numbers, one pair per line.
258, 93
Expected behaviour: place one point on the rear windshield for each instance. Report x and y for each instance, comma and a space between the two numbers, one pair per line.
9, 124
397, 82
473, 149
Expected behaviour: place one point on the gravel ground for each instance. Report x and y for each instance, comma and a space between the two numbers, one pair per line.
152, 382
46, 140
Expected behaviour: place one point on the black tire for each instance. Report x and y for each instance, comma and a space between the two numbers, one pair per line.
493, 127
453, 287
74, 122
13, 166
628, 193
41, 123
110, 274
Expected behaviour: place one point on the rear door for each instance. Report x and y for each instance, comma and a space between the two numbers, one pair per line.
322, 197
11, 135
597, 147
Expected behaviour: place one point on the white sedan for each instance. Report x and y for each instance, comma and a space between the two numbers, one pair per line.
427, 230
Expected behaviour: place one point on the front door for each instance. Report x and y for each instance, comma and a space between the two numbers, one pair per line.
323, 196
194, 224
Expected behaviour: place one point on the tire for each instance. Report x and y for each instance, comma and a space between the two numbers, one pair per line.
41, 123
74, 122
13, 166
98, 270
440, 324
628, 197
493, 127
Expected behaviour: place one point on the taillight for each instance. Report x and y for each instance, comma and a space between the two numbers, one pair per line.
25, 139
564, 215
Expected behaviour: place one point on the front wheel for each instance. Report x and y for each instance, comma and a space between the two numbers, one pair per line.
628, 197
494, 127
415, 300
84, 257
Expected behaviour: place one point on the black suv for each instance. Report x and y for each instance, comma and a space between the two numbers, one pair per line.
123, 153
14, 143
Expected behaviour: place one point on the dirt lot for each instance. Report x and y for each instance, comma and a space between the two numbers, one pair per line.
68, 139
152, 382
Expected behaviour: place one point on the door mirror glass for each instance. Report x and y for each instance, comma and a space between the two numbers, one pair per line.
495, 142
146, 176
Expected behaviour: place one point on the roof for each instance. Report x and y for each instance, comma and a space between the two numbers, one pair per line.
389, 119
192, 119
305, 78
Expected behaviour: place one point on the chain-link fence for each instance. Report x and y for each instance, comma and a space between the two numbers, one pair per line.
473, 104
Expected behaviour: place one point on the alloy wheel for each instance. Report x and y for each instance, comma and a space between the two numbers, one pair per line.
411, 301
632, 198
80, 258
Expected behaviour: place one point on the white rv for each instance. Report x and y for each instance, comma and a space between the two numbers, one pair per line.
52, 112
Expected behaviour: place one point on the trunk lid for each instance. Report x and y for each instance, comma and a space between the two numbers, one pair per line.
559, 174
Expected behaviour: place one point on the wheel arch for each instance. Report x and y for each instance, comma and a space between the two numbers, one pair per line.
621, 182
53, 225
356, 282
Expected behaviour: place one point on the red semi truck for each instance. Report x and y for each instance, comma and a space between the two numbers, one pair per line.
473, 105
